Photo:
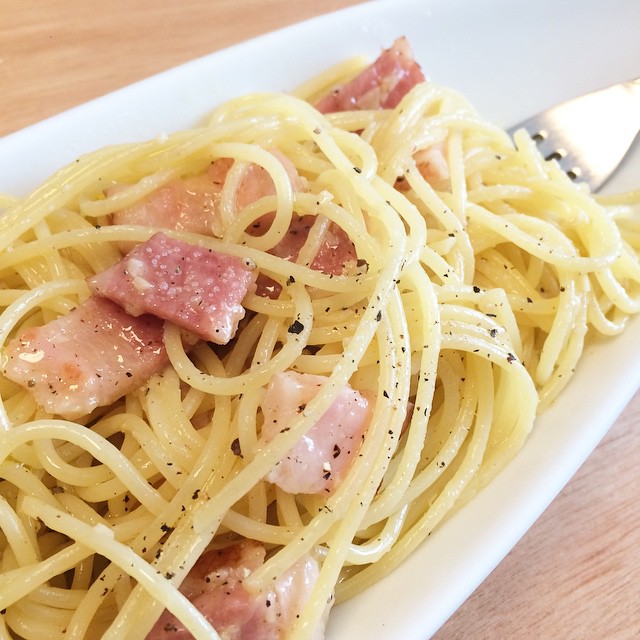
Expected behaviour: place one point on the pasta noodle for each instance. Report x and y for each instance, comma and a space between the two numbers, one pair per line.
464, 316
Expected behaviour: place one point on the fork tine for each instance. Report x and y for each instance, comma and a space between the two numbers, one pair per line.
589, 135
552, 145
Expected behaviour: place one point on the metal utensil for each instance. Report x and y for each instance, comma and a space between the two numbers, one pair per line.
590, 135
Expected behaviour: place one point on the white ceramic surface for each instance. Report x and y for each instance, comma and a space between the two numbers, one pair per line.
511, 58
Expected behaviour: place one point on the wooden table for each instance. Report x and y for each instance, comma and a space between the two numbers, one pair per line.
576, 574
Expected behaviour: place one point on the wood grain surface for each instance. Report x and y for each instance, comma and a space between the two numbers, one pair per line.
576, 574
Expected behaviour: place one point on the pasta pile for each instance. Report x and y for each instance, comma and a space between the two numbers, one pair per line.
465, 315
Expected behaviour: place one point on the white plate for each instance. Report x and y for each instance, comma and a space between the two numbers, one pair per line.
511, 59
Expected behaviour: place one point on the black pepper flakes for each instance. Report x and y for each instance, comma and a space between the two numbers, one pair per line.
235, 447
296, 327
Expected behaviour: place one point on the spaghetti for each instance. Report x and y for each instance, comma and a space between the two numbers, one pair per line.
477, 271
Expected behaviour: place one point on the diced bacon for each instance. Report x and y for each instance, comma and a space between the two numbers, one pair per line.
196, 289
380, 86
321, 458
336, 254
192, 204
186, 204
291, 591
215, 587
257, 182
86, 359
432, 164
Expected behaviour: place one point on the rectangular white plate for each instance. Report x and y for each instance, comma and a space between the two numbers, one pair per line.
511, 59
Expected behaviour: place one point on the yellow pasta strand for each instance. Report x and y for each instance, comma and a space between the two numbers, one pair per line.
473, 291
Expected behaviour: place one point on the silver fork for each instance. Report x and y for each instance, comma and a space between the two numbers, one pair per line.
590, 135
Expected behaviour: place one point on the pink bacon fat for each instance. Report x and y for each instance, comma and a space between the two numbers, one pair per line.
86, 359
321, 458
196, 289
215, 587
380, 86
192, 203
185, 204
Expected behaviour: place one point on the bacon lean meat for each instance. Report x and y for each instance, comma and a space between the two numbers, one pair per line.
215, 587
194, 288
380, 86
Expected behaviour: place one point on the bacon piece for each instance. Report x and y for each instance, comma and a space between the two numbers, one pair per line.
86, 359
336, 254
380, 86
432, 164
185, 204
192, 204
257, 182
215, 588
321, 458
195, 288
